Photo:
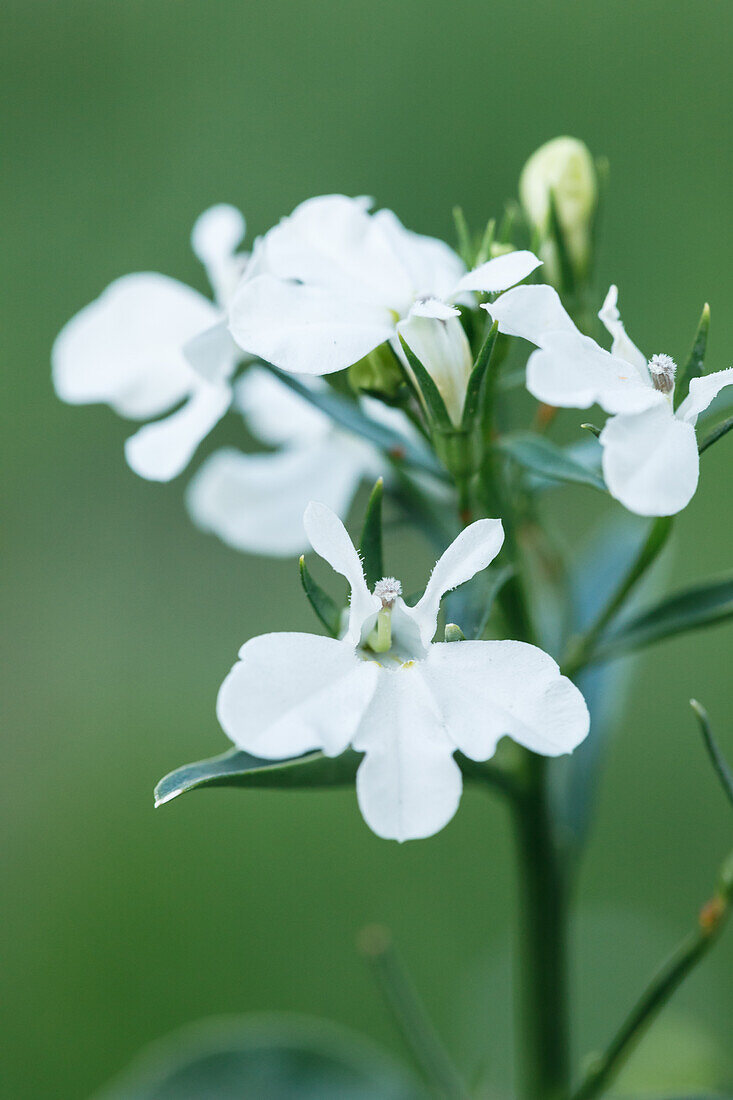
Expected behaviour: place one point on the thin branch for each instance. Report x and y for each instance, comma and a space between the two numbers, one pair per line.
418, 1032
665, 982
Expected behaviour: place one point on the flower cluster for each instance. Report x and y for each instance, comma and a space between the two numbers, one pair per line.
354, 348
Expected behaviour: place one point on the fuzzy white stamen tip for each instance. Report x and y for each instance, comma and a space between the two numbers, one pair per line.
387, 590
663, 370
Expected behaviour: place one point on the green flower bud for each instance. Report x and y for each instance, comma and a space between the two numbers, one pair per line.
563, 168
378, 372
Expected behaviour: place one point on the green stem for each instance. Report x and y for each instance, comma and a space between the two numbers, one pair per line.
543, 1047
668, 978
421, 1038
581, 651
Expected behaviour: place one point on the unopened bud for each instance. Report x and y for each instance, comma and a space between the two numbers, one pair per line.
562, 169
378, 373
663, 369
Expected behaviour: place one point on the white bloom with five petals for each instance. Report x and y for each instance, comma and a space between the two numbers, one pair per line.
386, 689
650, 456
336, 282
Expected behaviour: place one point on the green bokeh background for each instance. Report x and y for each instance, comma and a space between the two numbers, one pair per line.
124, 119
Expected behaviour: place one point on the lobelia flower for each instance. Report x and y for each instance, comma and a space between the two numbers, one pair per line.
336, 282
149, 343
650, 456
390, 692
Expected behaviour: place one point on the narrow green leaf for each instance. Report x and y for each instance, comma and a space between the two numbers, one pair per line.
592, 429
471, 603
695, 607
434, 403
472, 402
347, 413
465, 245
718, 760
324, 605
484, 250
239, 769
695, 364
543, 457
370, 546
716, 434
567, 271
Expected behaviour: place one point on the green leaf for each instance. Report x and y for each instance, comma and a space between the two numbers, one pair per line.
465, 245
542, 457
718, 760
691, 609
716, 434
239, 769
347, 413
272, 1057
370, 546
470, 604
472, 402
694, 367
434, 403
596, 576
324, 605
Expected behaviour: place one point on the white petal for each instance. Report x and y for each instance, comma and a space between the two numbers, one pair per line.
650, 461
290, 693
472, 551
532, 312
702, 392
161, 450
432, 269
305, 329
500, 273
216, 235
486, 690
213, 353
408, 784
433, 307
255, 502
443, 349
331, 241
275, 413
572, 371
622, 346
329, 538
125, 348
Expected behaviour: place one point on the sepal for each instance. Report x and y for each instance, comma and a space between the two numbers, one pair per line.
324, 605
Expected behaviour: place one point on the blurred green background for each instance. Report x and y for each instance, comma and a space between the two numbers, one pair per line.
123, 120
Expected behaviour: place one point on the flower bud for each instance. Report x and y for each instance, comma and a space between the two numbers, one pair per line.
564, 169
377, 373
444, 350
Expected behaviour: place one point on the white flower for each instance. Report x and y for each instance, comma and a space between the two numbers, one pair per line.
391, 693
149, 343
336, 282
255, 502
650, 456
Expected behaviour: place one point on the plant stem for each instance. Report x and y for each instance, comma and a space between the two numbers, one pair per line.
581, 652
421, 1038
543, 1054
664, 983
